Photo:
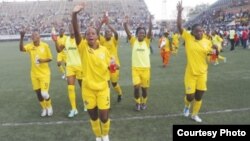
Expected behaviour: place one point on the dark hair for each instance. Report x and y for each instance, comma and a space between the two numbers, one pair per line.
194, 26
166, 34
93, 28
139, 28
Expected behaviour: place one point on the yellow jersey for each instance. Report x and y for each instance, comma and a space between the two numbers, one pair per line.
95, 69
61, 41
176, 40
72, 53
112, 46
140, 52
39, 52
217, 40
165, 44
196, 52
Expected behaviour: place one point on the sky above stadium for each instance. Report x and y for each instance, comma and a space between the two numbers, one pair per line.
169, 11
157, 8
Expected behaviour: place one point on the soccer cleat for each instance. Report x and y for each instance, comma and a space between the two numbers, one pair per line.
44, 113
143, 106
98, 139
64, 76
137, 107
225, 60
85, 109
105, 138
50, 111
119, 98
186, 112
72, 113
196, 118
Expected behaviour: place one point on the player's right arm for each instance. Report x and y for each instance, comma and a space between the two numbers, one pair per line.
76, 10
179, 20
125, 25
149, 35
21, 47
113, 30
104, 20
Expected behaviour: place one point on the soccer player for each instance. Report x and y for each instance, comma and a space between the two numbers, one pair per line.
217, 40
140, 62
95, 87
111, 43
197, 49
175, 43
73, 68
40, 56
166, 47
61, 56
232, 34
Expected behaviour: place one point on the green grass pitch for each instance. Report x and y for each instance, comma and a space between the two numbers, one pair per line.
228, 88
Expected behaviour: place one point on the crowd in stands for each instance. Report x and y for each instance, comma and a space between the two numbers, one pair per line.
47, 14
225, 13
222, 15
228, 18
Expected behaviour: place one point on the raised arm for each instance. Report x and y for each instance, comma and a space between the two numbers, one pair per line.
100, 26
125, 25
113, 30
21, 47
77, 33
179, 20
150, 27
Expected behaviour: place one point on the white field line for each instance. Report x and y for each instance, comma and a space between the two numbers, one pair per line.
14, 124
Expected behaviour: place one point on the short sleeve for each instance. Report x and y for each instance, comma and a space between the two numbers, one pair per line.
132, 40
27, 48
185, 35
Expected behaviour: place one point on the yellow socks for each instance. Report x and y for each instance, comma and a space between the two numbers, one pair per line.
43, 104
96, 127
61, 69
138, 101
196, 107
221, 57
144, 100
141, 100
118, 89
72, 96
48, 103
105, 128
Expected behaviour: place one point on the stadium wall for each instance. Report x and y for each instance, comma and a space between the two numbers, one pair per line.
47, 37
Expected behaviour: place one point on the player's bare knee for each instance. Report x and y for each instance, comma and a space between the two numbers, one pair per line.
114, 84
104, 119
137, 86
198, 95
40, 97
59, 64
190, 97
93, 113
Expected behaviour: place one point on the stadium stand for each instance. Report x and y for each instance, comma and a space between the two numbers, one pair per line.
45, 14
224, 13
